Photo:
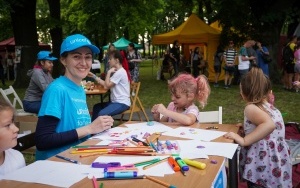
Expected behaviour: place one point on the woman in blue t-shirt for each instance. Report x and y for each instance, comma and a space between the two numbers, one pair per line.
64, 118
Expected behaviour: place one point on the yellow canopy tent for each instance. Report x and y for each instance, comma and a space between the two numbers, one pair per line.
194, 32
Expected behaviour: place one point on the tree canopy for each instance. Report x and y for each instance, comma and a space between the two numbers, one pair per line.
137, 20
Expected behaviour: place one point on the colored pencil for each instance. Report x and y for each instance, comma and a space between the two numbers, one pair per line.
95, 184
146, 162
156, 163
89, 151
160, 182
101, 185
92, 154
67, 159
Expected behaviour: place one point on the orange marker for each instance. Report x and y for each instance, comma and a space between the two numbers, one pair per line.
173, 164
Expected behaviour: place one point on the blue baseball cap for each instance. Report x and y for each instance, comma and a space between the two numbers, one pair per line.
73, 42
45, 55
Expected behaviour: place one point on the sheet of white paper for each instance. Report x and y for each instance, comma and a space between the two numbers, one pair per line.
57, 174
156, 127
194, 134
208, 148
159, 170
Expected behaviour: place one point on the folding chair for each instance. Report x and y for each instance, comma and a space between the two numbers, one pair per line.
136, 104
210, 116
16, 99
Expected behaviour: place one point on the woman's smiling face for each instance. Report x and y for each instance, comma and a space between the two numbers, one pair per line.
78, 64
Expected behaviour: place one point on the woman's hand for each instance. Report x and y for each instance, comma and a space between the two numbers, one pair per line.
92, 75
100, 124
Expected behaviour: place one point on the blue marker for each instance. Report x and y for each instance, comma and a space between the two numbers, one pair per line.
120, 174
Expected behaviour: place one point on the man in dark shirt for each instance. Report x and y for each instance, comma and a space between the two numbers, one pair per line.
175, 56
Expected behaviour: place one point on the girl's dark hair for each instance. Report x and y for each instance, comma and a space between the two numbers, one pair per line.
131, 45
110, 45
117, 55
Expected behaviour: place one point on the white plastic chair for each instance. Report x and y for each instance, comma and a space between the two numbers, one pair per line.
211, 116
16, 100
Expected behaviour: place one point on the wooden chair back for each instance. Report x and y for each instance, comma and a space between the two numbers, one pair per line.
136, 104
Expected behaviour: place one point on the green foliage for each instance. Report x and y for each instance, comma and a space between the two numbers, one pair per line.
5, 21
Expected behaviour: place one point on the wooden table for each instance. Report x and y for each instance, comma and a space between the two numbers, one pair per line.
195, 177
98, 90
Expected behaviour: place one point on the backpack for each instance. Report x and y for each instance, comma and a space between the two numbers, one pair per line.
287, 54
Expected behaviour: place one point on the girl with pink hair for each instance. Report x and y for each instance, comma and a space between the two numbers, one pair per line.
185, 91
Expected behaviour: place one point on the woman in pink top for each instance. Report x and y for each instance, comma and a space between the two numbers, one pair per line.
185, 90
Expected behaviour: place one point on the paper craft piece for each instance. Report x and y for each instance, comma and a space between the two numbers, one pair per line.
159, 170
208, 148
50, 173
195, 134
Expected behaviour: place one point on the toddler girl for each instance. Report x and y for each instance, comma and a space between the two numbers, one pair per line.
185, 90
10, 159
264, 156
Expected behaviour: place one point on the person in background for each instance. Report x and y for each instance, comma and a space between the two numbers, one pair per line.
40, 78
244, 58
297, 64
252, 52
10, 159
111, 47
264, 156
125, 64
166, 65
2, 73
185, 91
260, 61
175, 57
64, 119
289, 66
229, 57
218, 59
117, 81
196, 57
134, 59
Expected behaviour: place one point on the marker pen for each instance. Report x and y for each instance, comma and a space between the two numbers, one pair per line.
182, 164
120, 174
173, 164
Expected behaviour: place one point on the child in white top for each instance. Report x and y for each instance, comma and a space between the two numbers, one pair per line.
10, 159
185, 90
117, 81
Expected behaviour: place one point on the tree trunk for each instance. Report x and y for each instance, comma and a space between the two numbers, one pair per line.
25, 33
56, 36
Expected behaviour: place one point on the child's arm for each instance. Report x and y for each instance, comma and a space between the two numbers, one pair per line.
264, 127
185, 119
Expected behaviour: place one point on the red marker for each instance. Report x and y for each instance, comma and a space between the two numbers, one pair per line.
173, 164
